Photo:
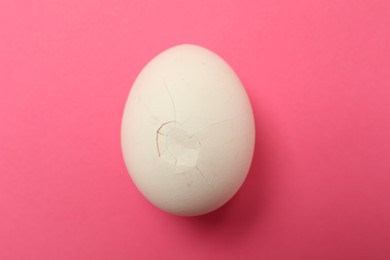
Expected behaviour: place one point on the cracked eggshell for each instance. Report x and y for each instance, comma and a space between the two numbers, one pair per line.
188, 131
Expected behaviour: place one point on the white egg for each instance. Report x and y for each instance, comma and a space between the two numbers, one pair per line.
188, 131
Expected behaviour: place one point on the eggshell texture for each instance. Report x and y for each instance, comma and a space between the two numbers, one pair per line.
188, 131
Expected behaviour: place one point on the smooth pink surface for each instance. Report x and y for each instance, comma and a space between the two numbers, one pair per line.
317, 73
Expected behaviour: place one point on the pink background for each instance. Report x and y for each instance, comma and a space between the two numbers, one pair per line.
318, 76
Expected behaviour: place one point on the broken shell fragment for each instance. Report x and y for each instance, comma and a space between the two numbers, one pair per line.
188, 131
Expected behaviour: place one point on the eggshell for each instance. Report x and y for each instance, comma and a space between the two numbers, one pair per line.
188, 131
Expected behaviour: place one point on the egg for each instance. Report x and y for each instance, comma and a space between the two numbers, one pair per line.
188, 131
